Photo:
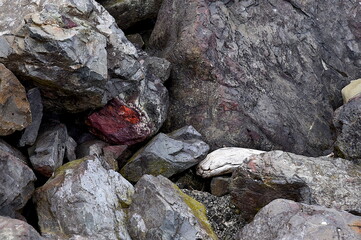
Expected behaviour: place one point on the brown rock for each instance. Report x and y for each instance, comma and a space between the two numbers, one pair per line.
14, 106
219, 186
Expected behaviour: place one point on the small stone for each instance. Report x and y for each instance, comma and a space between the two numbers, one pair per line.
220, 186
136, 39
351, 90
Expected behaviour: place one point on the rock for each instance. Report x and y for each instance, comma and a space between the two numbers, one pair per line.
167, 155
158, 66
17, 181
72, 50
347, 122
36, 107
325, 181
190, 180
221, 213
351, 90
48, 152
84, 201
224, 160
245, 72
220, 186
16, 229
129, 13
136, 39
285, 219
14, 107
160, 210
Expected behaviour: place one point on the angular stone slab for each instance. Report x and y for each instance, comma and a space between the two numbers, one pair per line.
17, 230
351, 90
84, 201
224, 160
288, 220
326, 181
160, 210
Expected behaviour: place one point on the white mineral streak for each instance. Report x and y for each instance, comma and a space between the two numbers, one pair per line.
224, 160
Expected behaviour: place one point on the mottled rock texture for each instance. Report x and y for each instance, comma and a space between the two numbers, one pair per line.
259, 74
128, 13
160, 210
288, 220
15, 111
84, 201
167, 154
347, 121
16, 181
13, 229
326, 181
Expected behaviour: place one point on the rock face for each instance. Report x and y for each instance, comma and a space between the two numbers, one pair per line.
49, 150
285, 219
130, 12
160, 210
72, 50
326, 181
36, 107
17, 181
167, 154
347, 121
263, 75
16, 229
83, 200
224, 160
14, 106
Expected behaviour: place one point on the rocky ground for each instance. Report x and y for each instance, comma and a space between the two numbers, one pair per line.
194, 119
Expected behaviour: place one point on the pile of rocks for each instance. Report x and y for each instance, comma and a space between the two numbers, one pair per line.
94, 146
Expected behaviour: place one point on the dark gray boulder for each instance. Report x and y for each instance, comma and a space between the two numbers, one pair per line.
326, 181
13, 229
84, 201
167, 154
347, 121
259, 74
288, 220
16, 181
160, 210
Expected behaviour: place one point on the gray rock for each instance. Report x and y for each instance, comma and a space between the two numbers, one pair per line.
47, 154
326, 181
288, 220
84, 201
14, 107
128, 13
158, 66
17, 181
220, 186
347, 121
13, 229
160, 210
36, 106
259, 74
167, 154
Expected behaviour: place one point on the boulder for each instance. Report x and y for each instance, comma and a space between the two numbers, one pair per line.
47, 154
167, 154
351, 90
129, 13
17, 181
347, 122
14, 106
84, 201
262, 75
325, 181
36, 106
160, 210
17, 230
288, 220
224, 160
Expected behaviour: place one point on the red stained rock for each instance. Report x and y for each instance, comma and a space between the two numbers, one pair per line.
120, 124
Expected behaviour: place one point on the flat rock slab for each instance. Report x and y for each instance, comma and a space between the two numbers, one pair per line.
326, 181
160, 210
224, 160
13, 229
16, 181
167, 154
83, 200
288, 220
14, 106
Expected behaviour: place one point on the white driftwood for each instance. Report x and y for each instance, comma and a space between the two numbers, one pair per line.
224, 160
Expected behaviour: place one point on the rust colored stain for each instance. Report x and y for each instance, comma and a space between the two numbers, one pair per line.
356, 226
68, 23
